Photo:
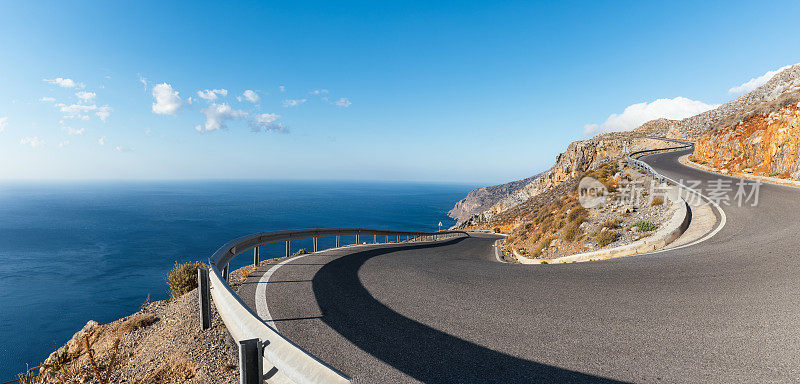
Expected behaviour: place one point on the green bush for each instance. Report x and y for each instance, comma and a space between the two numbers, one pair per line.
301, 251
605, 237
644, 226
183, 278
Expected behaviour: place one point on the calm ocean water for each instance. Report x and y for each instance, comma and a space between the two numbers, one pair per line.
70, 253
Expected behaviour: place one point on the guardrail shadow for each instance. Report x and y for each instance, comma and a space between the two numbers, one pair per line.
422, 352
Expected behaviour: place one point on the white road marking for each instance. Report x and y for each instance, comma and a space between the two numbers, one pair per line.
261, 292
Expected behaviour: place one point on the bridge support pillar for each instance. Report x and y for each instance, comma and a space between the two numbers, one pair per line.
204, 294
250, 362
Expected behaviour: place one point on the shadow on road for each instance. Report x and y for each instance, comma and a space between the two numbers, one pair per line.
424, 353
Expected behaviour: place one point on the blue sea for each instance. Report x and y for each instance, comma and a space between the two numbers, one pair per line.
74, 252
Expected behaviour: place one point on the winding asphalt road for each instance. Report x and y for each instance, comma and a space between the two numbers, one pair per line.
726, 310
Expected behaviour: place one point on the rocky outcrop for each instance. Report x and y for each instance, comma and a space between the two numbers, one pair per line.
729, 114
766, 144
579, 157
719, 144
481, 199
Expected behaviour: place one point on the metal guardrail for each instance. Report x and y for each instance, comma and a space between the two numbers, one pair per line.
633, 160
263, 352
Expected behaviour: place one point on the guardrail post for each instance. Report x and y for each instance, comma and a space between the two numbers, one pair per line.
375, 239
338, 238
256, 256
357, 239
226, 271
204, 294
250, 362
288, 248
315, 244
387, 238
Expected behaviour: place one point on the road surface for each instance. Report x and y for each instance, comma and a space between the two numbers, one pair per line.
726, 310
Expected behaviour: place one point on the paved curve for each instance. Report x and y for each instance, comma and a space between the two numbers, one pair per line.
726, 310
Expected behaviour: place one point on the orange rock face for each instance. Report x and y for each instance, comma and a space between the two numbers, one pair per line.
767, 145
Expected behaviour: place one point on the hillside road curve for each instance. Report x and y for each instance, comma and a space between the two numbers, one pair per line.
726, 310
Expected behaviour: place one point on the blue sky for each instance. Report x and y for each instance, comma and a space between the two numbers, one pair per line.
477, 92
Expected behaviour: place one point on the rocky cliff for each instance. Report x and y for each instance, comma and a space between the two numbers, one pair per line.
784, 83
714, 130
766, 143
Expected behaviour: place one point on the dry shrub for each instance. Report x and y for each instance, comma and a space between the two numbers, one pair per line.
577, 214
573, 232
605, 237
136, 322
176, 371
183, 278
612, 224
656, 201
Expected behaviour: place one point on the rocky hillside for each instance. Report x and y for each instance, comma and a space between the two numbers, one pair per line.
714, 128
481, 199
766, 143
784, 83
579, 157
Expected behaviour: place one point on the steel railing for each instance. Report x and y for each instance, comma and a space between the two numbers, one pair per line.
265, 354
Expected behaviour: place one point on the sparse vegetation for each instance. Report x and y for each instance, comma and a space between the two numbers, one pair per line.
136, 322
612, 224
301, 251
183, 278
578, 214
573, 232
496, 230
644, 226
657, 200
605, 237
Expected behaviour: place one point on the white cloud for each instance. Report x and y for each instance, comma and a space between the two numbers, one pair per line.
63, 144
143, 80
73, 131
217, 115
3, 123
343, 102
64, 83
637, 114
47, 99
282, 88
212, 94
86, 96
167, 101
34, 142
101, 141
103, 112
319, 92
122, 148
293, 103
250, 96
268, 122
76, 111
756, 82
